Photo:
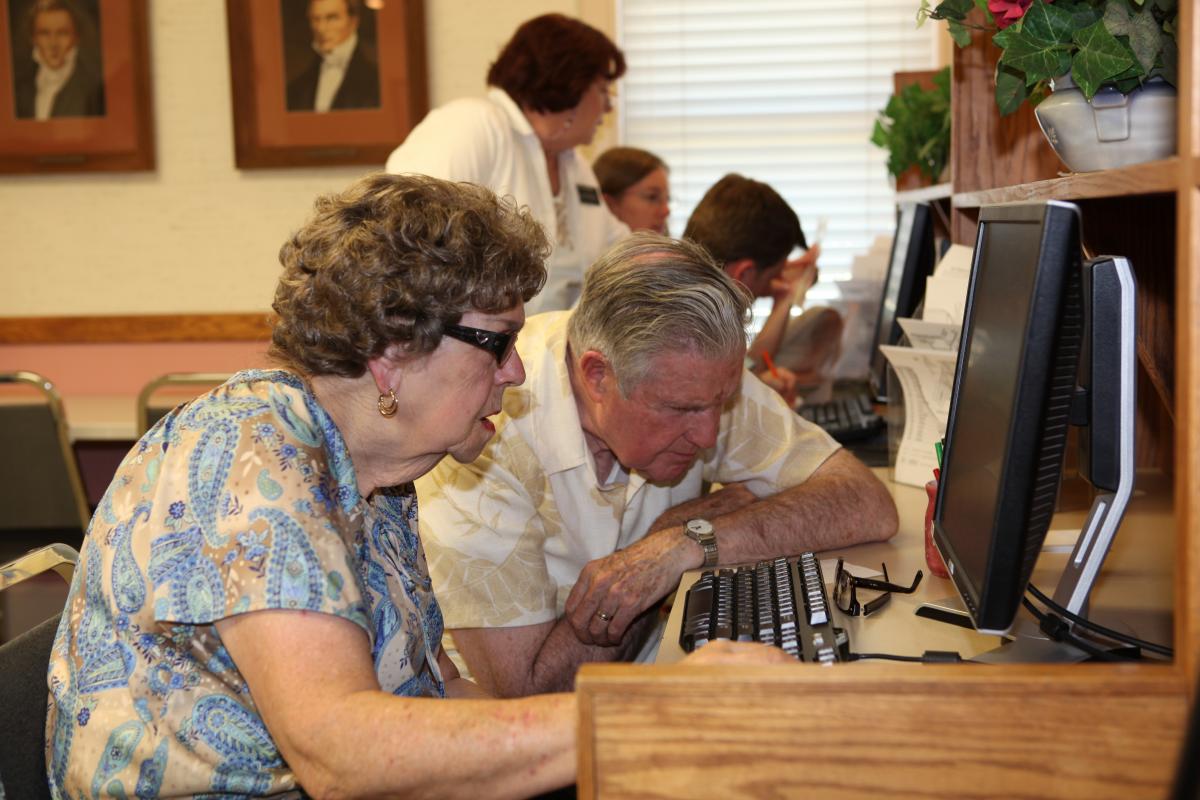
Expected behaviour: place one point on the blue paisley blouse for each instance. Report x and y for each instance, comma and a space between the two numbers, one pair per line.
243, 499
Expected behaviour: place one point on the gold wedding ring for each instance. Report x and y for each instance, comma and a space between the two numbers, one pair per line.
603, 616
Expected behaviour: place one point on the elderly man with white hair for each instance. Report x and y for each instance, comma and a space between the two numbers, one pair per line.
556, 545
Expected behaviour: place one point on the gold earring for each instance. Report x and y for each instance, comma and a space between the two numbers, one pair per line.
388, 404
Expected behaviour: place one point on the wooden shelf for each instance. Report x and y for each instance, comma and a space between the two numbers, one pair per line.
1139, 179
939, 191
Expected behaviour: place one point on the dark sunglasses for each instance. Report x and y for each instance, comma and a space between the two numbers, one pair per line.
845, 591
500, 345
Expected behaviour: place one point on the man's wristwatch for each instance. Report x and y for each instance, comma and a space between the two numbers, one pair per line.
701, 532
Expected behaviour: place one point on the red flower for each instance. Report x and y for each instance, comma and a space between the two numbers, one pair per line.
1007, 12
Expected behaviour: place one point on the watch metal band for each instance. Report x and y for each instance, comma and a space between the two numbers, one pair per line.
701, 532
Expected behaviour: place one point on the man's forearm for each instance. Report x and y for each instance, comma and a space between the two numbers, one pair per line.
842, 504
562, 653
723, 501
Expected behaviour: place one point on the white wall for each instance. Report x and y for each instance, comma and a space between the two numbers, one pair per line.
196, 234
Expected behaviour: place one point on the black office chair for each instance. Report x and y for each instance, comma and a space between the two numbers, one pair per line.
23, 691
41, 492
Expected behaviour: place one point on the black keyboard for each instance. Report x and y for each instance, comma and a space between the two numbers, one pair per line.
780, 602
847, 419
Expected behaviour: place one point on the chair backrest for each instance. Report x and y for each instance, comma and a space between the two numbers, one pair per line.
165, 392
23, 690
40, 485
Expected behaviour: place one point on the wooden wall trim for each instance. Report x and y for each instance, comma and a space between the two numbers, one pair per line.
136, 328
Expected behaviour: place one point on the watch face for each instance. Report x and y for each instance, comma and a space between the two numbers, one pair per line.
699, 526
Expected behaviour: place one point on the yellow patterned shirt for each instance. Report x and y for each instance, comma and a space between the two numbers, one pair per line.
507, 535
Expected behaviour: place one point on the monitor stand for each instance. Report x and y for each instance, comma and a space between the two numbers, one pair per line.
1026, 643
1029, 645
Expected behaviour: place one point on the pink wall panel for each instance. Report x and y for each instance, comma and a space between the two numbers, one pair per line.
113, 369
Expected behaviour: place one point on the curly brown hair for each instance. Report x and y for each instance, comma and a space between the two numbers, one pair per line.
551, 61
392, 260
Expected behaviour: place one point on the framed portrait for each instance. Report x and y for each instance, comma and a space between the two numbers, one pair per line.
74, 86
324, 82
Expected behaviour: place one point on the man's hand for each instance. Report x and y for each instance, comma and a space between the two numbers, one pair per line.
625, 584
782, 380
797, 277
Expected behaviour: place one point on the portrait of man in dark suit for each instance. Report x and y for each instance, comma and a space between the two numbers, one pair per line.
336, 68
57, 69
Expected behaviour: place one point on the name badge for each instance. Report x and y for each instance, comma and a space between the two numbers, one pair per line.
589, 195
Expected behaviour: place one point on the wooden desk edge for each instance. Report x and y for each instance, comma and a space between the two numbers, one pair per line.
1143, 678
1058, 733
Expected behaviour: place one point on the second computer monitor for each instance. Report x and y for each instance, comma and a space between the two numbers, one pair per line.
1009, 411
911, 262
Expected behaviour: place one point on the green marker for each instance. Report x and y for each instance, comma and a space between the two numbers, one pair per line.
937, 447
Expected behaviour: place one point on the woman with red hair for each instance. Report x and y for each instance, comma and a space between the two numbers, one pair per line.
549, 91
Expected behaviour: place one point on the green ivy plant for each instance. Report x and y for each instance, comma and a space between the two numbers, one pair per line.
1099, 42
914, 127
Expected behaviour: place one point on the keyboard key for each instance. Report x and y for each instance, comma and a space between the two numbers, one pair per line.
697, 613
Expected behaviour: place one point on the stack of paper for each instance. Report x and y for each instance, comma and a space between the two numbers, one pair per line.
926, 368
946, 288
872, 265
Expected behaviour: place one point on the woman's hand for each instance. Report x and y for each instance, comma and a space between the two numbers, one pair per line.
721, 651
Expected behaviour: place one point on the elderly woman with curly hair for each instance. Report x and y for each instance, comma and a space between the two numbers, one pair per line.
253, 611
253, 614
549, 92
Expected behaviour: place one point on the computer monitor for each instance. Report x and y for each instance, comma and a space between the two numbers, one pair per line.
911, 261
1028, 315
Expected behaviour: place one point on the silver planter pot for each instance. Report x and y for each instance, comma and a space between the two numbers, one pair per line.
1114, 129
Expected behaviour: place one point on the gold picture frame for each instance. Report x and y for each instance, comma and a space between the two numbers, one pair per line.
267, 42
97, 119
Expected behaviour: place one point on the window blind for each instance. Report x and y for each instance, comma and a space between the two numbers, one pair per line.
783, 91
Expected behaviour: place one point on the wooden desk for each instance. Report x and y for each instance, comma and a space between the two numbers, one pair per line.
92, 418
894, 629
872, 729
1134, 593
101, 418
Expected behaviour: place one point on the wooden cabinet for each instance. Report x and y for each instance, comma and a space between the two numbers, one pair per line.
1094, 730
